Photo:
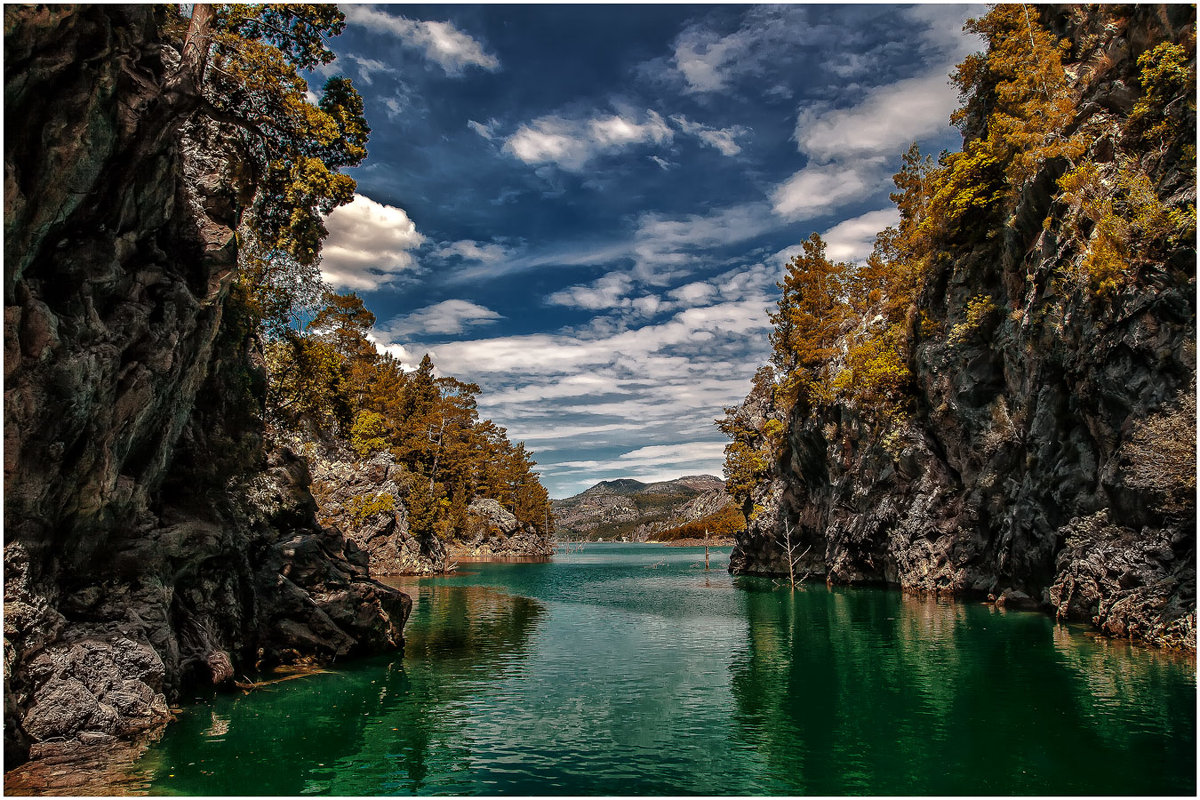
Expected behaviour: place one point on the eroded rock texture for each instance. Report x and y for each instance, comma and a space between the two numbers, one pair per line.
1014, 475
150, 539
368, 498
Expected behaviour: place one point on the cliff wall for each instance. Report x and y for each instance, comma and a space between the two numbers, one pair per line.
1020, 469
151, 539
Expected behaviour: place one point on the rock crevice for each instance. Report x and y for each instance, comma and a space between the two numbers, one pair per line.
151, 538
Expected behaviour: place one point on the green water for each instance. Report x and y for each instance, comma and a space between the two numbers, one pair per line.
627, 669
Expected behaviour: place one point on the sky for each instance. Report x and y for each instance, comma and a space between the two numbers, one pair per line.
585, 208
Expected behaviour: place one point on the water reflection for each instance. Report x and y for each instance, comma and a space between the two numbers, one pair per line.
629, 670
920, 696
316, 735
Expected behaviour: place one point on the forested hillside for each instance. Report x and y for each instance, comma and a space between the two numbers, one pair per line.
1001, 400
400, 457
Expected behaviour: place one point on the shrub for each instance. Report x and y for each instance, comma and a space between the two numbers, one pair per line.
364, 506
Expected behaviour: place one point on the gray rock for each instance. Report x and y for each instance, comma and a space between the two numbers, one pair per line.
148, 529
1011, 473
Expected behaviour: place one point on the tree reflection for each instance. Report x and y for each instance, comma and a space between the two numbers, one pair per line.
375, 726
852, 691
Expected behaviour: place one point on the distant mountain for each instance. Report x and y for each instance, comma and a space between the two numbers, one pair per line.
626, 508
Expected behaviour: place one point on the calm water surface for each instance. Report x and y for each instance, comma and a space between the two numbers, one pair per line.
627, 669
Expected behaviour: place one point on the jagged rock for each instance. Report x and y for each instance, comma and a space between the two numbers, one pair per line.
496, 532
1011, 477
365, 498
151, 541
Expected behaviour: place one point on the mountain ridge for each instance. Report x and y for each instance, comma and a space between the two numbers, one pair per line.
633, 510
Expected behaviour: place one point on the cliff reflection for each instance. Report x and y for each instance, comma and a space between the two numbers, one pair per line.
383, 720
913, 695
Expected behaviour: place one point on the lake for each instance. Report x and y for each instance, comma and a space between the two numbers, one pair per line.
628, 669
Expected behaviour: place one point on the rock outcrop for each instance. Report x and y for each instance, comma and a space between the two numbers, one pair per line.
496, 532
367, 498
151, 540
1014, 476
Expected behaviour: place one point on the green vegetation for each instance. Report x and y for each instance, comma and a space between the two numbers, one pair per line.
363, 507
325, 378
722, 524
846, 334
332, 383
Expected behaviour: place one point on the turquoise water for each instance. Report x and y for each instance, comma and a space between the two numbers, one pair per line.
628, 669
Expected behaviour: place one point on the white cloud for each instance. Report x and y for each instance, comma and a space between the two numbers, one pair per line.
693, 294
709, 62
886, 122
673, 455
368, 68
721, 139
572, 143
663, 245
369, 243
819, 189
854, 239
441, 42
469, 250
849, 149
608, 291
484, 129
448, 317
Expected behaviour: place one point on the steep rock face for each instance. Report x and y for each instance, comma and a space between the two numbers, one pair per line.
150, 541
366, 499
1012, 476
495, 531
612, 509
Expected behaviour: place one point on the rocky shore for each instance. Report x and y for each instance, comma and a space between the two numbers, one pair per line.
152, 539
1048, 452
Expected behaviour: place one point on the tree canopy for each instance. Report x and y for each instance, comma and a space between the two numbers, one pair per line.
331, 381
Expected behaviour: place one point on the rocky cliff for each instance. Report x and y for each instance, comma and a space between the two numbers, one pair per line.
636, 510
368, 499
151, 539
1045, 458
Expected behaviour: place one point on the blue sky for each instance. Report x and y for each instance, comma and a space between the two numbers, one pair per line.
585, 209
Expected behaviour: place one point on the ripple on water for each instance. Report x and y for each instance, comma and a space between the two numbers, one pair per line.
630, 670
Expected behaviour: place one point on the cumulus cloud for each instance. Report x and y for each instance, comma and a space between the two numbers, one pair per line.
820, 188
441, 42
608, 291
447, 318
572, 143
369, 243
854, 239
850, 149
693, 294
